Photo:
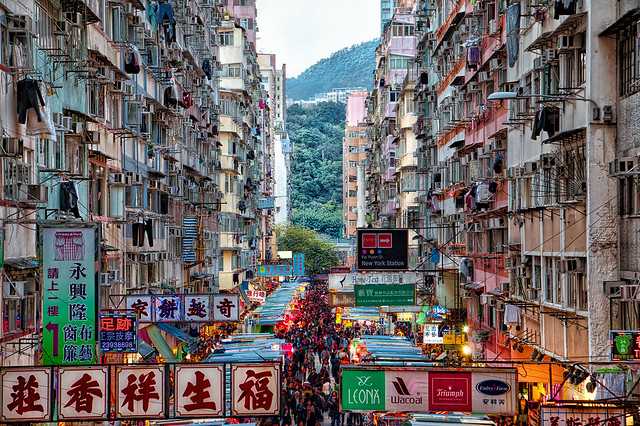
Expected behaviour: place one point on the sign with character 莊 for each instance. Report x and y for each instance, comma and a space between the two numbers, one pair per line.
69, 292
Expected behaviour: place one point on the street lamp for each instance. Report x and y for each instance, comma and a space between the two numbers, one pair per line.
505, 96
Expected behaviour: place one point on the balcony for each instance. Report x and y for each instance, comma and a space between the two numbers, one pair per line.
390, 207
229, 162
389, 174
229, 241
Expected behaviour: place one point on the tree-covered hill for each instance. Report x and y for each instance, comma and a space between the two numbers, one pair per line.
349, 67
316, 167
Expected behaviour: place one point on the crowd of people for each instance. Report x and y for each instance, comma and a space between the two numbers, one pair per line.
320, 346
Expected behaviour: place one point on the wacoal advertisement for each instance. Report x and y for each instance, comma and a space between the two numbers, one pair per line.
429, 390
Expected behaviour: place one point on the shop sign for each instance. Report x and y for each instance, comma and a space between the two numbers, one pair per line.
167, 308
363, 390
345, 282
118, 331
255, 390
140, 392
450, 391
342, 299
406, 390
575, 415
25, 394
298, 264
199, 390
383, 249
258, 296
226, 307
274, 270
197, 308
385, 294
625, 345
69, 307
494, 393
83, 393
142, 306
432, 334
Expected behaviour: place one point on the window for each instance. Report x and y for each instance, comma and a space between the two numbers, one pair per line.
232, 70
628, 60
394, 96
398, 62
402, 30
226, 38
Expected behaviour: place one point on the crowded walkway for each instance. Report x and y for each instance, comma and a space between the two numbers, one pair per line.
312, 372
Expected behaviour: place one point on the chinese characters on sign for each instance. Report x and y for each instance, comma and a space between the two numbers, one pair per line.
83, 393
199, 390
567, 415
174, 308
168, 308
69, 316
140, 392
255, 389
118, 331
625, 345
225, 307
276, 270
258, 296
197, 308
142, 306
25, 394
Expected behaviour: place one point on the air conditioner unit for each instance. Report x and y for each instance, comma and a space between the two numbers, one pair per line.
495, 64
13, 289
105, 279
114, 275
35, 193
530, 167
67, 123
566, 42
12, 147
538, 63
550, 55
484, 76
474, 87
487, 299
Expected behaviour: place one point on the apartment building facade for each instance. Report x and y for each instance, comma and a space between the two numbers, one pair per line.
123, 125
524, 148
354, 154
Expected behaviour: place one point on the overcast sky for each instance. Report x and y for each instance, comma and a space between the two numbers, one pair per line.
301, 32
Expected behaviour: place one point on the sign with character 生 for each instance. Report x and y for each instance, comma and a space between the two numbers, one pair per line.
199, 390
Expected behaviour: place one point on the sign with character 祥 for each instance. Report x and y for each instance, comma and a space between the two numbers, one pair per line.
134, 392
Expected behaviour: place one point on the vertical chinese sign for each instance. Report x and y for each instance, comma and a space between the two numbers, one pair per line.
255, 390
69, 308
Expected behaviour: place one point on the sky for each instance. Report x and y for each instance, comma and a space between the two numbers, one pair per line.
301, 32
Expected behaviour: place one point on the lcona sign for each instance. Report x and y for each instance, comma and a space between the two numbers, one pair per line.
122, 392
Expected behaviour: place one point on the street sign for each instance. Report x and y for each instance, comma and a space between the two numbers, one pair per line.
625, 345
385, 295
69, 292
383, 249
429, 390
118, 331
345, 282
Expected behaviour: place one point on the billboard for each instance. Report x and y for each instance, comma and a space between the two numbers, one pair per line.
274, 270
428, 390
625, 345
118, 331
385, 295
383, 249
69, 292
179, 308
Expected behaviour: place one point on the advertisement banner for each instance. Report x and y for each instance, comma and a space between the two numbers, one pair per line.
140, 392
494, 393
383, 249
275, 270
625, 345
432, 333
25, 394
69, 292
118, 332
450, 391
83, 393
345, 282
258, 296
199, 390
375, 295
406, 390
255, 390
197, 308
573, 415
298, 264
226, 307
362, 390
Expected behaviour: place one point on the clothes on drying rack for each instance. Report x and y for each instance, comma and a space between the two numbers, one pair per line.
148, 228
28, 96
43, 128
170, 97
138, 231
473, 57
564, 7
69, 198
165, 17
513, 33
498, 164
17, 58
547, 119
132, 61
206, 67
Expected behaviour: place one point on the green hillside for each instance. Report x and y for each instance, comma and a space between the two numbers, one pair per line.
349, 67
316, 167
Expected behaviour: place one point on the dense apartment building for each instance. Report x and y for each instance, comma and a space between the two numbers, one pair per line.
144, 122
354, 154
386, 13
274, 83
516, 168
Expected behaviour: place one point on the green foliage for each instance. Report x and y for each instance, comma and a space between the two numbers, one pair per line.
350, 67
319, 254
316, 169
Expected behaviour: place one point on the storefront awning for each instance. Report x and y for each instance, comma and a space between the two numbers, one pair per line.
145, 350
160, 343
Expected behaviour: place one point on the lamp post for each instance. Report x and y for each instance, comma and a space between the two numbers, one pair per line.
505, 96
